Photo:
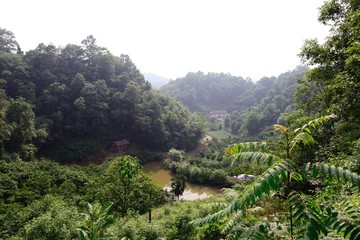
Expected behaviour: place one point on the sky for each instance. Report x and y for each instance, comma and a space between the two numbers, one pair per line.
248, 38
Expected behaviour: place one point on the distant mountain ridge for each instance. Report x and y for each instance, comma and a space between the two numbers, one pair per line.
253, 106
204, 92
156, 81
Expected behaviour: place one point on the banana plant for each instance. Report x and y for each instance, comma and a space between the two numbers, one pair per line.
307, 218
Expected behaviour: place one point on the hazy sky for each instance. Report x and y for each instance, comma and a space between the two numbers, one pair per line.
248, 38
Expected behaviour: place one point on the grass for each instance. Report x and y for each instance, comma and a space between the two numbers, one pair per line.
220, 134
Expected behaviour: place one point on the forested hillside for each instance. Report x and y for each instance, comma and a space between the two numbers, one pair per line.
83, 92
155, 80
266, 103
301, 182
204, 92
252, 106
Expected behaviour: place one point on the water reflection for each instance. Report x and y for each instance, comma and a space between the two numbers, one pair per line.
162, 177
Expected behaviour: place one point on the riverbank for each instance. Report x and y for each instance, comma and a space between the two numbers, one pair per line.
162, 177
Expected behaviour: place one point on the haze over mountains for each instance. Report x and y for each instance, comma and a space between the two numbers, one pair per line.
156, 81
251, 106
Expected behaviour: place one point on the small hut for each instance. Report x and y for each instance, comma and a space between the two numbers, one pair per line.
218, 114
120, 146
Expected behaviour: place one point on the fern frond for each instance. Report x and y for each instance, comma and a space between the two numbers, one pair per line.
307, 217
304, 138
346, 220
231, 223
313, 124
245, 147
351, 210
313, 220
304, 134
269, 181
281, 128
258, 232
216, 206
338, 173
230, 194
255, 157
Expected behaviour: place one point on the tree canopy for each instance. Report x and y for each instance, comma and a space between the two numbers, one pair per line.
84, 91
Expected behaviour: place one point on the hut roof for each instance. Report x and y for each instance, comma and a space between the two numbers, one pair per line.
121, 142
218, 112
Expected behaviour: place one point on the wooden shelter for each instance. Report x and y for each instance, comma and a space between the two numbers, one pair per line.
120, 146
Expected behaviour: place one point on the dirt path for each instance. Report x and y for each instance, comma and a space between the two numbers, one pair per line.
201, 146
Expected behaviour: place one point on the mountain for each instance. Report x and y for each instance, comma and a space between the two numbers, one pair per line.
204, 92
58, 96
155, 80
253, 106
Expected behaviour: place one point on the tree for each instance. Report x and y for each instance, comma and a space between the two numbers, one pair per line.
126, 169
8, 42
20, 116
333, 85
309, 217
176, 155
178, 185
5, 128
49, 218
97, 220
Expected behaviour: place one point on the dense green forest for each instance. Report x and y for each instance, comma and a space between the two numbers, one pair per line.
52, 95
203, 92
72, 100
253, 106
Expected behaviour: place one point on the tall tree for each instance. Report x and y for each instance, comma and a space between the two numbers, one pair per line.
333, 85
8, 42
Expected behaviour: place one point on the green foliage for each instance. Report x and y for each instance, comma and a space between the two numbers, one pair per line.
49, 218
8, 42
201, 170
211, 232
54, 94
264, 104
97, 220
136, 227
220, 134
332, 85
203, 92
127, 168
283, 170
168, 222
253, 106
178, 185
74, 149
176, 155
123, 183
43, 198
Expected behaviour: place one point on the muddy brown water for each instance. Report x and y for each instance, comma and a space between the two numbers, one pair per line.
162, 177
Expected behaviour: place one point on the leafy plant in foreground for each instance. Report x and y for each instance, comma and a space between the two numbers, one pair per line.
308, 218
97, 220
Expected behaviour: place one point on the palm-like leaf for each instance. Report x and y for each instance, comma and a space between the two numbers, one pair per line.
304, 136
251, 152
307, 217
245, 147
338, 173
255, 157
346, 220
271, 180
310, 218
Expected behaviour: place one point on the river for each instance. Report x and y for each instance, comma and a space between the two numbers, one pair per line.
162, 177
